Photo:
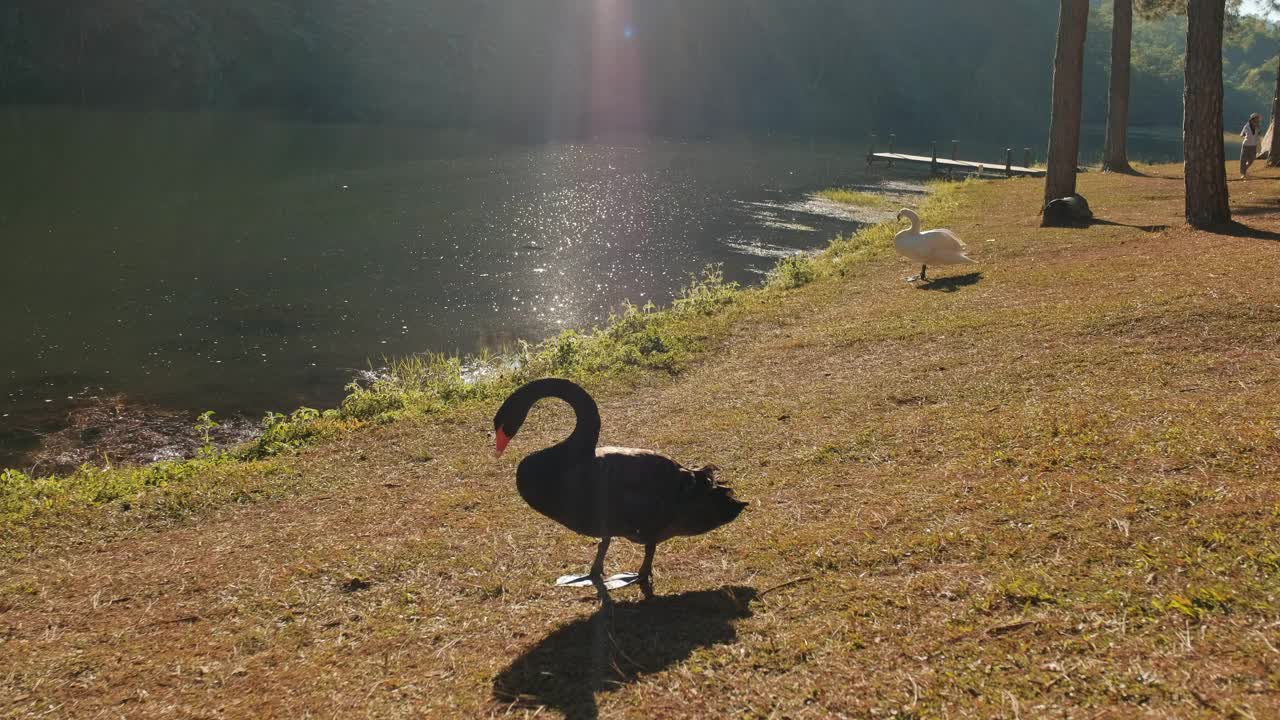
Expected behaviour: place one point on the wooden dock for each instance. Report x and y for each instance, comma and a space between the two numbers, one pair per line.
951, 166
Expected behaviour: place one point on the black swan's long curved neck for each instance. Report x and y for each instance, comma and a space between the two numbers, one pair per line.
586, 433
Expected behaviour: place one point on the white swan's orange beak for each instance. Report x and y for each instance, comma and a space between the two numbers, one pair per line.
500, 443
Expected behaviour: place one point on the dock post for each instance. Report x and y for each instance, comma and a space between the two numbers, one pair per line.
1026, 157
933, 161
891, 138
1008, 162
955, 149
871, 151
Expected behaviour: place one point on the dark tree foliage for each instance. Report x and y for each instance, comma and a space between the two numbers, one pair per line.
565, 68
546, 68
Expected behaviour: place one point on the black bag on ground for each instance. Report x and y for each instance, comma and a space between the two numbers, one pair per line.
1067, 211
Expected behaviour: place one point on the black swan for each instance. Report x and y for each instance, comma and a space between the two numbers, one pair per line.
609, 492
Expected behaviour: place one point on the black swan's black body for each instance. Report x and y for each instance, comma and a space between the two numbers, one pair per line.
608, 492
620, 492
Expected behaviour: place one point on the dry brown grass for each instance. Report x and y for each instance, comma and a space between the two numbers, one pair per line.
1047, 489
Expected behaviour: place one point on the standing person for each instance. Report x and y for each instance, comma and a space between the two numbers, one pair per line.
1249, 150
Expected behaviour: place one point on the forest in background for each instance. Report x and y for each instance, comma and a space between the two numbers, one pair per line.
571, 68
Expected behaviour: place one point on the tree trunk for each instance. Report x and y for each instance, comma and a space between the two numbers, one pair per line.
1204, 161
1273, 148
1064, 122
1115, 154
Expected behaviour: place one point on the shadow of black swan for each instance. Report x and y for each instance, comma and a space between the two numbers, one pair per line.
951, 283
573, 663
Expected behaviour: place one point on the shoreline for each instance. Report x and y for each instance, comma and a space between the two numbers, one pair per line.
636, 341
105, 428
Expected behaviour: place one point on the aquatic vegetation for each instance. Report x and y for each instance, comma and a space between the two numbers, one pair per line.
855, 197
205, 425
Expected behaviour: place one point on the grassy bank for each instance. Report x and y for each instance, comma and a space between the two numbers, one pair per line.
1041, 487
634, 345
855, 197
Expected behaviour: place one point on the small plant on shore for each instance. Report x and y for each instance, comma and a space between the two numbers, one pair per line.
561, 352
16, 489
205, 425
793, 272
706, 293
285, 432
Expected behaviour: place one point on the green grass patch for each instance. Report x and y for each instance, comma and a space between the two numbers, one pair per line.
1196, 603
855, 197
286, 432
636, 338
793, 272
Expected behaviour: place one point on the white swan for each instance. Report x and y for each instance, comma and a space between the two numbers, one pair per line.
931, 247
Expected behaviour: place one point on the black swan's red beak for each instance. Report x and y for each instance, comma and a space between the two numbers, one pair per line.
500, 443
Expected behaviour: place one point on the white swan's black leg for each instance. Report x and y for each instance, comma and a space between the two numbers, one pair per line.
923, 269
646, 570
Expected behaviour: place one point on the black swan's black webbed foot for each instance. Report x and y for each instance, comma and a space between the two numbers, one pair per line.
602, 592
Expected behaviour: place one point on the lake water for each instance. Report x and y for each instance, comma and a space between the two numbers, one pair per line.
160, 264
238, 264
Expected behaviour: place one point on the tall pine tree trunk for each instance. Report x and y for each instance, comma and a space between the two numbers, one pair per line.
1115, 153
1273, 150
1064, 123
1204, 163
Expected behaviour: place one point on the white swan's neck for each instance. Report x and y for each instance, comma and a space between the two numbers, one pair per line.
915, 220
